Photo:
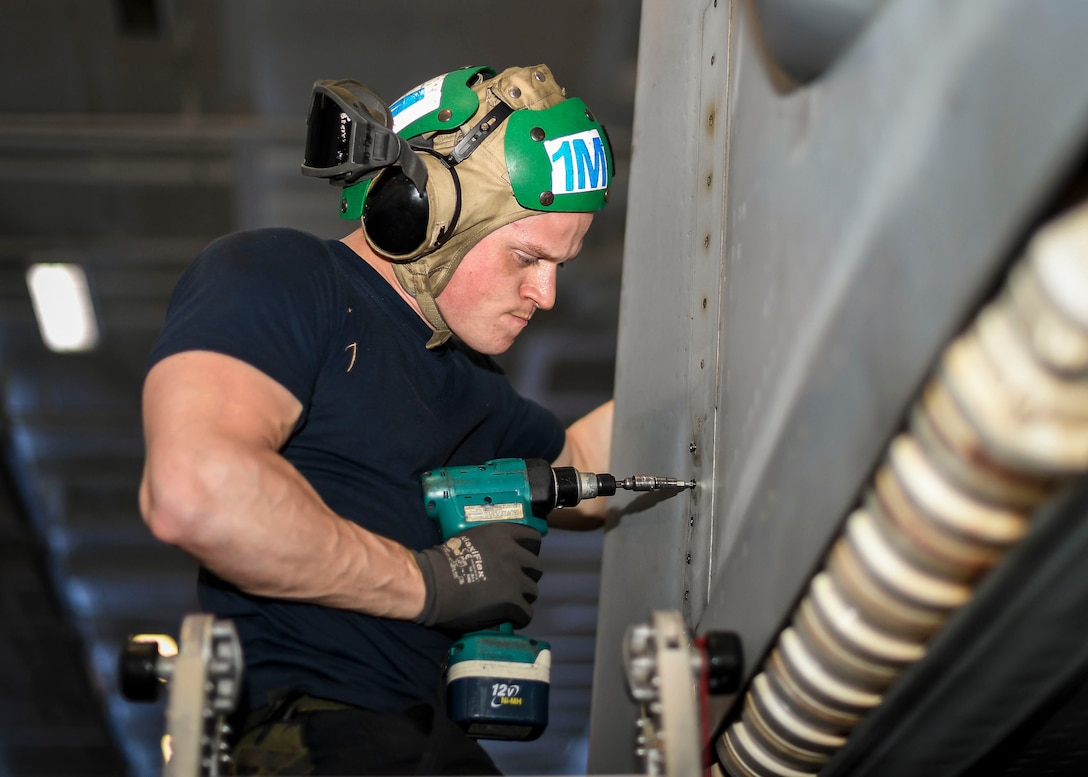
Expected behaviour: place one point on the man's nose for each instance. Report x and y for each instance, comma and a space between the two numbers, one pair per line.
540, 286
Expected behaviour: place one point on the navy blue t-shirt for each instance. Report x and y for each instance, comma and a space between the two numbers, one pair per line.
379, 409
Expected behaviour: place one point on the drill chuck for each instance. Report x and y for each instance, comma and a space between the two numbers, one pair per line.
572, 486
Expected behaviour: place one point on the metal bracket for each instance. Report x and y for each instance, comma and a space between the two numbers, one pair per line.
661, 670
204, 683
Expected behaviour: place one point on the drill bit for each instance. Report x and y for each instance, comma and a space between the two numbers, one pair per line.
653, 483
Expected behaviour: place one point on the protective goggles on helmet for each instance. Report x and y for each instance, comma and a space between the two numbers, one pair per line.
442, 104
350, 137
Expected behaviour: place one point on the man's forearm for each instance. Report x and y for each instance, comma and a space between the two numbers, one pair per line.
252, 519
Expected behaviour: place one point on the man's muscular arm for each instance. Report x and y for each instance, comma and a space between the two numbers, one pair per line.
215, 485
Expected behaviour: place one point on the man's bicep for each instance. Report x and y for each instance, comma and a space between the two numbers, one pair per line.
196, 393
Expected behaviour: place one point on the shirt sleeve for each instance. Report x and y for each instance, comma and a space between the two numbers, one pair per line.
259, 297
533, 432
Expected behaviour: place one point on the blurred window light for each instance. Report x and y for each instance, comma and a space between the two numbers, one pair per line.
63, 307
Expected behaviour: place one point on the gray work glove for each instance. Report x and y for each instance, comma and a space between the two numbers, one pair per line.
481, 578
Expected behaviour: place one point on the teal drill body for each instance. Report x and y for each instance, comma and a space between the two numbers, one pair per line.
459, 498
497, 682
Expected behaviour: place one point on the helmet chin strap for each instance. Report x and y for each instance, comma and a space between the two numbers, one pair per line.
429, 309
416, 284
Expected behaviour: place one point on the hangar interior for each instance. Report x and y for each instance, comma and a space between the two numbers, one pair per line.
132, 134
816, 204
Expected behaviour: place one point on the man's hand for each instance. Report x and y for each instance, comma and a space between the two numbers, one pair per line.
481, 578
588, 449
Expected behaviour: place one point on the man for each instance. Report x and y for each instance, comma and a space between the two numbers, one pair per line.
300, 388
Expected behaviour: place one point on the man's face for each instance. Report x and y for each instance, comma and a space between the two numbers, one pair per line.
506, 277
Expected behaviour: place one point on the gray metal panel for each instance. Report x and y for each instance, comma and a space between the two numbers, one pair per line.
652, 378
806, 36
866, 214
667, 374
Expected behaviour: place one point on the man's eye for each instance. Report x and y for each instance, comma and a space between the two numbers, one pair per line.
524, 260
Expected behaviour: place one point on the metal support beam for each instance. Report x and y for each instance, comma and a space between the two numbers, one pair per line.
862, 217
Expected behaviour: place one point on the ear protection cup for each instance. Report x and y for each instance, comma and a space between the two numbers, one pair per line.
400, 222
395, 214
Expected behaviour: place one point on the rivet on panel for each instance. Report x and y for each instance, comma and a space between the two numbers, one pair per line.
546, 198
710, 119
691, 521
343, 204
445, 114
709, 178
515, 92
589, 115
692, 447
706, 241
689, 558
713, 57
539, 76
537, 133
704, 303
702, 364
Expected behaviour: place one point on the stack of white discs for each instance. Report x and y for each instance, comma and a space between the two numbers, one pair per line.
1001, 426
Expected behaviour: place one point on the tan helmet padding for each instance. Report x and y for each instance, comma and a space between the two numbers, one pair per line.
487, 201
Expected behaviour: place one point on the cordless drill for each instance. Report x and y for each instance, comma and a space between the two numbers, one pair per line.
497, 682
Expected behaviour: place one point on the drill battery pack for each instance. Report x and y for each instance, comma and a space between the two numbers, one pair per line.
497, 684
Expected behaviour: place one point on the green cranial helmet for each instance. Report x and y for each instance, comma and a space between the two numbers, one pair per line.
496, 148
